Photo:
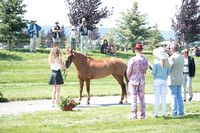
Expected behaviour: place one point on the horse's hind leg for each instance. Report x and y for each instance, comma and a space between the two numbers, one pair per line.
119, 78
81, 83
88, 90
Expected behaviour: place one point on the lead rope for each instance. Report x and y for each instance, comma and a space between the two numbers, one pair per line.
64, 73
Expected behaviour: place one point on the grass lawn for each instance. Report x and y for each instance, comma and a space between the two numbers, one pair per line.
25, 75
102, 119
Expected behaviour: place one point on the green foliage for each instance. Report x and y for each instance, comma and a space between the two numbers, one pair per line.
66, 101
111, 35
2, 99
155, 38
1, 95
12, 25
109, 119
132, 27
41, 39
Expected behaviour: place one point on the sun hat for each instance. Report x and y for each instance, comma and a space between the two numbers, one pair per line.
138, 46
160, 53
33, 20
73, 28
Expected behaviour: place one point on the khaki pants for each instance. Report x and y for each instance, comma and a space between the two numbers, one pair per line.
33, 43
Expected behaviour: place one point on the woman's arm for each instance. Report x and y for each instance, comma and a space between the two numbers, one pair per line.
61, 62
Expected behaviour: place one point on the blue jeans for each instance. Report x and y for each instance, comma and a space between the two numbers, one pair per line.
73, 43
176, 101
84, 41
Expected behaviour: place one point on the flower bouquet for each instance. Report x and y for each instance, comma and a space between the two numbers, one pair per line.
66, 103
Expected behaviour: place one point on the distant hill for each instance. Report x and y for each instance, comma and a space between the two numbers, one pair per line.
166, 34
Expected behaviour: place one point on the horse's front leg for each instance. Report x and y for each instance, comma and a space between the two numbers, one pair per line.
88, 90
81, 83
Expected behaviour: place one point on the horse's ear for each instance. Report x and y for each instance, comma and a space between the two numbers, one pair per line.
67, 50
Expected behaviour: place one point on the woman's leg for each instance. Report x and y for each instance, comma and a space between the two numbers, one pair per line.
53, 94
157, 96
189, 83
57, 92
163, 97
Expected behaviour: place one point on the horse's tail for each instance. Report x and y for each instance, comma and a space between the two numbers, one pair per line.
126, 82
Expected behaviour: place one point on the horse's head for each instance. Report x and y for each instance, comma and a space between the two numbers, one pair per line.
69, 57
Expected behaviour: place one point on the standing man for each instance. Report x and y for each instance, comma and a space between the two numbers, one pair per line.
33, 30
56, 34
137, 68
175, 80
84, 35
188, 74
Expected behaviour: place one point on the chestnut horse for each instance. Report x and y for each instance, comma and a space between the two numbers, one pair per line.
88, 68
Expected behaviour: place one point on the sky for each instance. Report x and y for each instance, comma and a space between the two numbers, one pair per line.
47, 12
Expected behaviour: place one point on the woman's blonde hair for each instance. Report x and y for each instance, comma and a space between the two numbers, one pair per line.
55, 54
164, 63
185, 51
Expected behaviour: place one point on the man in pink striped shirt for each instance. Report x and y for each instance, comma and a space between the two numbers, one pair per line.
136, 71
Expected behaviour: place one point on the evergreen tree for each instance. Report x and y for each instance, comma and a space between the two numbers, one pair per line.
187, 24
132, 27
42, 40
112, 35
12, 21
155, 38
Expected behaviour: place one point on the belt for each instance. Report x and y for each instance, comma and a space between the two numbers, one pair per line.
185, 72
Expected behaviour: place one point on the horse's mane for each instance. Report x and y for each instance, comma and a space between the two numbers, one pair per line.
82, 55
86, 57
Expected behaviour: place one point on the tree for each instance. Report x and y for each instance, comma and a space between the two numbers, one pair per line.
62, 34
155, 38
62, 37
94, 35
132, 27
49, 38
112, 35
13, 23
187, 24
41, 39
88, 9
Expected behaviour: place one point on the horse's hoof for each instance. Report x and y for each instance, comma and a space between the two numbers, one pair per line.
79, 103
120, 102
126, 101
88, 103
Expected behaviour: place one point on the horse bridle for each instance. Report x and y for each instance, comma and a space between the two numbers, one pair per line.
70, 61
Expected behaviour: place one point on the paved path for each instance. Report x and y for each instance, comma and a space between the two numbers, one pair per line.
18, 107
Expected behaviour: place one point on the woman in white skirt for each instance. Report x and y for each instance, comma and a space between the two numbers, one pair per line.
161, 69
55, 60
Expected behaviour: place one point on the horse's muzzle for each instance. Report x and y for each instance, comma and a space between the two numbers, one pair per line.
67, 64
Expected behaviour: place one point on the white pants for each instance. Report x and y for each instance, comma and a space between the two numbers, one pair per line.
187, 79
160, 89
33, 43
